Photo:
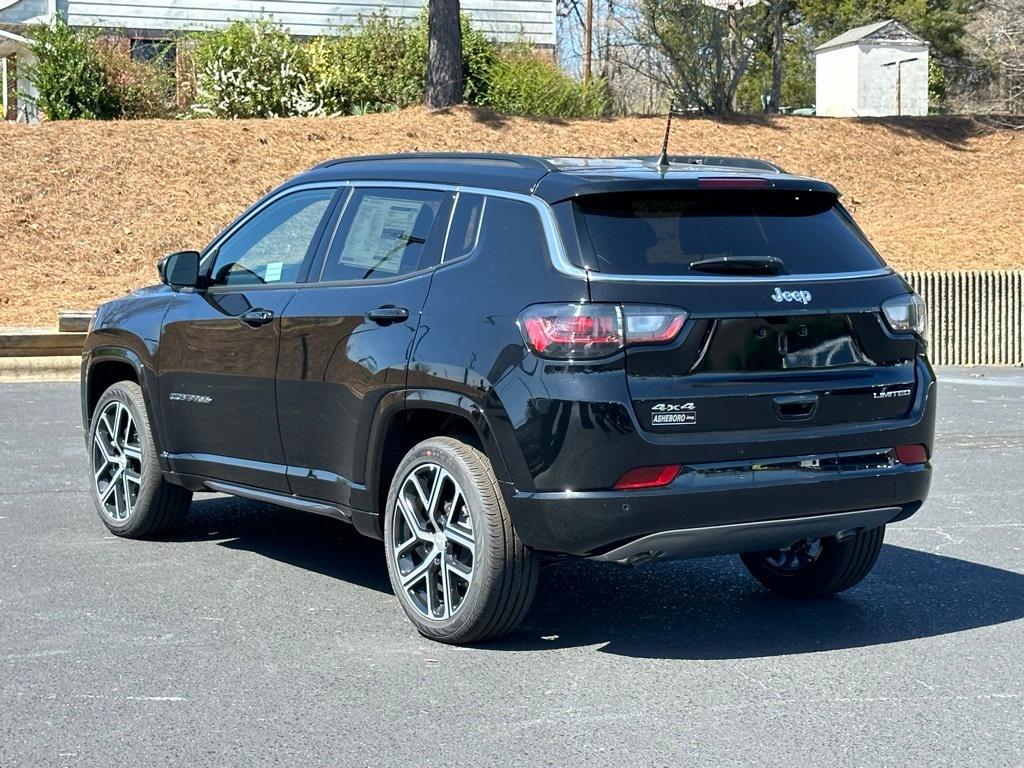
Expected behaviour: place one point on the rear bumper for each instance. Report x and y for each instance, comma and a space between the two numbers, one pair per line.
746, 537
714, 506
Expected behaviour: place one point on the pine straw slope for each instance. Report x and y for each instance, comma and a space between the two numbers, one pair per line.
86, 208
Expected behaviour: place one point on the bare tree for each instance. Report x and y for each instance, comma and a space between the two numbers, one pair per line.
998, 39
444, 54
707, 45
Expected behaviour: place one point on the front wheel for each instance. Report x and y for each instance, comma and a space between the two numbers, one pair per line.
458, 568
817, 567
130, 493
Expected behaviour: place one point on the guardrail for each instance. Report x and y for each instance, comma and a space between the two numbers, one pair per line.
974, 318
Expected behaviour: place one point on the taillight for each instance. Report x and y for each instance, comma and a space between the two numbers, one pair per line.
905, 314
648, 477
589, 331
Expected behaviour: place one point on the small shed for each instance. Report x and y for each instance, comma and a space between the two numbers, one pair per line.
872, 71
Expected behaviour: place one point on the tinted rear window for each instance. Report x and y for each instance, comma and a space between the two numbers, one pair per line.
662, 233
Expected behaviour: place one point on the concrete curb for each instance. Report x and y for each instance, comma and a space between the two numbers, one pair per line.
56, 368
39, 342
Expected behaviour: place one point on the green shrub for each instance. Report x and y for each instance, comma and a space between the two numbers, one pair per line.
69, 74
383, 65
251, 69
523, 83
80, 76
145, 89
376, 68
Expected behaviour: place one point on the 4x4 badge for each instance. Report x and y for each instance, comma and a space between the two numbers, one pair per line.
674, 413
804, 297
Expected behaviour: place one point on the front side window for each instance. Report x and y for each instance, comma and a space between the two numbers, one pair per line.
385, 233
272, 246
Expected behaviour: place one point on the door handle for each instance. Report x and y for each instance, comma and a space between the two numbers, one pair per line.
256, 317
388, 314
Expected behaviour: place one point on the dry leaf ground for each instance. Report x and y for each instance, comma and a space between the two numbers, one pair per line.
86, 208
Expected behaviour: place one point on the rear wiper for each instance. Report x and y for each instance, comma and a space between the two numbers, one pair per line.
750, 264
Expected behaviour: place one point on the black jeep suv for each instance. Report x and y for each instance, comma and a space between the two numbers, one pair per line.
490, 360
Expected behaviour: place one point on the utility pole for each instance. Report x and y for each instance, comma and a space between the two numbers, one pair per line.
899, 81
588, 40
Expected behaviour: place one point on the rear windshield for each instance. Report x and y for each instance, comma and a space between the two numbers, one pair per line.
662, 233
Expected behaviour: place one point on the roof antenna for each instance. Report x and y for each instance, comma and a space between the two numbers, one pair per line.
663, 163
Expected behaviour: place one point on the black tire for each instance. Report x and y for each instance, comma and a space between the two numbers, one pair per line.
837, 566
504, 570
158, 506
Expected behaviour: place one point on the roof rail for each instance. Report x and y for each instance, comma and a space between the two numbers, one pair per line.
723, 161
522, 161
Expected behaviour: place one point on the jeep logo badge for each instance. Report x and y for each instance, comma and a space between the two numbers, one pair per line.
804, 297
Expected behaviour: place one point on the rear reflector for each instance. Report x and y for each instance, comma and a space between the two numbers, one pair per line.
911, 454
730, 182
648, 477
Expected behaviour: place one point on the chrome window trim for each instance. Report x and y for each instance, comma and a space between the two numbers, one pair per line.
819, 277
556, 248
563, 265
547, 217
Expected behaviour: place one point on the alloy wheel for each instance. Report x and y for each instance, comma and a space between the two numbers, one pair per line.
432, 542
117, 461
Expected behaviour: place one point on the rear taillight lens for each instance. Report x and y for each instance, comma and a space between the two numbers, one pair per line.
573, 331
589, 331
648, 477
905, 314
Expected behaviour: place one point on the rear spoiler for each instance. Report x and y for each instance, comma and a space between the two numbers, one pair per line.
720, 161
557, 192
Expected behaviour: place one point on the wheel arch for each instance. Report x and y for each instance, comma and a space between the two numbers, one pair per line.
407, 417
107, 365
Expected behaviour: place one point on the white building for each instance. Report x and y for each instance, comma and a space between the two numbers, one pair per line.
156, 20
872, 71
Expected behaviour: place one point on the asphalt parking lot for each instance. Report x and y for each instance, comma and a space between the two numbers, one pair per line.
263, 637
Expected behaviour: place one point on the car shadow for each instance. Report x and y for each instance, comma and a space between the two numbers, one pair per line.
311, 542
712, 609
691, 609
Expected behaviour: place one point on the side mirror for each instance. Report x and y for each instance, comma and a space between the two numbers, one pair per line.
180, 270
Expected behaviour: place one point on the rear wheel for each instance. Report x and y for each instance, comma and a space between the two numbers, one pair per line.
131, 495
458, 568
817, 567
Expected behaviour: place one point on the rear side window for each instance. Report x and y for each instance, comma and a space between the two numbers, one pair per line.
386, 233
663, 233
504, 231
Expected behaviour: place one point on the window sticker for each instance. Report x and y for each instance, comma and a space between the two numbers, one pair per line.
380, 232
273, 273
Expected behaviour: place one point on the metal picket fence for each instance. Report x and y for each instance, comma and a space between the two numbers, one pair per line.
974, 318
